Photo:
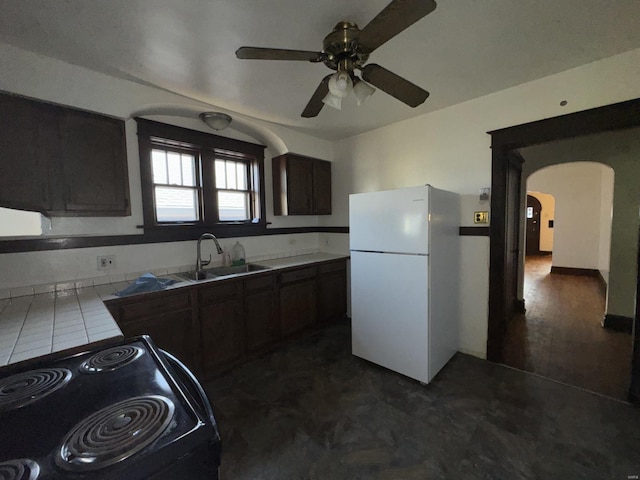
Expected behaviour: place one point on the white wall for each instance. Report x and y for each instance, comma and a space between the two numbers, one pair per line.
59, 266
450, 149
47, 79
576, 188
548, 205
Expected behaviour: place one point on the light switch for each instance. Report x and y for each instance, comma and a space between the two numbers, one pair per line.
480, 217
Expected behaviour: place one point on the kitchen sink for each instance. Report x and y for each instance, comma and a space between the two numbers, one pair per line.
218, 272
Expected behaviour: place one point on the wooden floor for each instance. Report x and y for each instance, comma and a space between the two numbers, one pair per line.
560, 335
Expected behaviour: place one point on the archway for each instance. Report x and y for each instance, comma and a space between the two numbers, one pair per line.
504, 144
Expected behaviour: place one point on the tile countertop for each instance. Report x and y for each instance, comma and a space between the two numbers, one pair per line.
35, 325
287, 262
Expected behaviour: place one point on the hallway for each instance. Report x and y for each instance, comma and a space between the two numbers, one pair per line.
560, 335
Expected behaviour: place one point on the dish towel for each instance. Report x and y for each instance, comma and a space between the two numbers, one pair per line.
146, 283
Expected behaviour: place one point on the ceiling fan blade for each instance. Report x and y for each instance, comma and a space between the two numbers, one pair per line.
257, 53
393, 19
394, 85
315, 104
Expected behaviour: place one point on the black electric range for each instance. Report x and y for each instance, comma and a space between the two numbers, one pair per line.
128, 410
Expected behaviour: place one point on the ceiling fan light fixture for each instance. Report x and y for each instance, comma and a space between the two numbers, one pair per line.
333, 101
362, 91
340, 84
216, 120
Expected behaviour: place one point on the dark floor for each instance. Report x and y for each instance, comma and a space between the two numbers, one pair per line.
314, 411
560, 335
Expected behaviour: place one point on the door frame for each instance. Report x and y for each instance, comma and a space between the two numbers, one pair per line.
505, 142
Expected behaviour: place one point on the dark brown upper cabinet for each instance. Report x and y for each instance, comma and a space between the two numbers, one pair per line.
61, 161
301, 185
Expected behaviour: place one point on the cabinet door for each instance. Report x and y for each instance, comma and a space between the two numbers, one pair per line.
297, 306
28, 149
222, 333
170, 331
300, 185
261, 319
94, 164
332, 292
321, 187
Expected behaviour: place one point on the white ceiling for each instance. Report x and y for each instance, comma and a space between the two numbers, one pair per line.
463, 50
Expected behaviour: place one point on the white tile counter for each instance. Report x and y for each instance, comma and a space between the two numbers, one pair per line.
300, 260
36, 325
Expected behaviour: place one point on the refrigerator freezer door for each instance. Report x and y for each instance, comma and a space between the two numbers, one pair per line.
390, 221
389, 305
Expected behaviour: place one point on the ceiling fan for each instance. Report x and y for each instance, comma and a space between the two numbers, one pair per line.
347, 48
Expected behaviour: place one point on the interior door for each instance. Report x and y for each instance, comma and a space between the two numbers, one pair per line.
533, 225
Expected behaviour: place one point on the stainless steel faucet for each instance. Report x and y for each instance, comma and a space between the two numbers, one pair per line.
201, 263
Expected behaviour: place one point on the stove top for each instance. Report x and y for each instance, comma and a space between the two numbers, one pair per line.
22, 469
28, 387
107, 411
111, 359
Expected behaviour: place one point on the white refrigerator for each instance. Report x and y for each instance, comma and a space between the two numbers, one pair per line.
405, 254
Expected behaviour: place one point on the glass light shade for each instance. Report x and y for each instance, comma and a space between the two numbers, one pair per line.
340, 84
333, 101
362, 90
216, 120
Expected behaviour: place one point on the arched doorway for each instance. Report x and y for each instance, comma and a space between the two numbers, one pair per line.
504, 145
560, 336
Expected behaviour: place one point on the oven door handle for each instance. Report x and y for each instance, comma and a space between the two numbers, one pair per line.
186, 375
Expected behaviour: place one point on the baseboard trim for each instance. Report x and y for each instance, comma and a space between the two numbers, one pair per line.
585, 272
602, 284
545, 253
519, 306
618, 323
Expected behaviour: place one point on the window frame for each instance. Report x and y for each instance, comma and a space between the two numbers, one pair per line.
206, 147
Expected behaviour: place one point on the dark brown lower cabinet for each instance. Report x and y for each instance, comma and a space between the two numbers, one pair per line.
167, 319
216, 325
332, 291
261, 312
297, 299
221, 324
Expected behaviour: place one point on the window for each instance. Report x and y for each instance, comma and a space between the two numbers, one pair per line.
174, 186
194, 179
232, 185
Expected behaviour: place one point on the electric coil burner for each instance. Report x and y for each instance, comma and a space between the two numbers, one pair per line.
24, 388
111, 359
127, 411
22, 469
115, 433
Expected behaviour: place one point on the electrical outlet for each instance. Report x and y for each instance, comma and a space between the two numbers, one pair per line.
480, 217
107, 262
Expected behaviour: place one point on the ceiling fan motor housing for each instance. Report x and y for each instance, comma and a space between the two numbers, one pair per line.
341, 48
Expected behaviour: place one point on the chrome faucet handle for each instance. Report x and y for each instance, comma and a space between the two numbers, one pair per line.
205, 262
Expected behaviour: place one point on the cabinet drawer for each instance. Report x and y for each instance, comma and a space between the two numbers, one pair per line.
257, 284
332, 267
147, 308
220, 291
297, 275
